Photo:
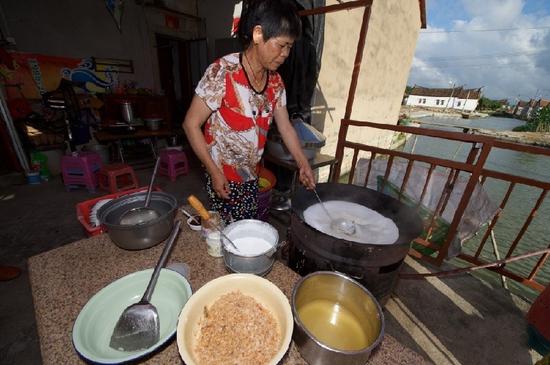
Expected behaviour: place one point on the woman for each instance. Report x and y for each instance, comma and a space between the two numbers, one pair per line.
238, 97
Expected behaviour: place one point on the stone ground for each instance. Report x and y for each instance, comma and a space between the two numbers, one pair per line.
456, 320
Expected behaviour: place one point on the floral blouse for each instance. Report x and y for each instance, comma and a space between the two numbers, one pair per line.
236, 130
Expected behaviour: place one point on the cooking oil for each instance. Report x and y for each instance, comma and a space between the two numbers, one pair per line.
336, 326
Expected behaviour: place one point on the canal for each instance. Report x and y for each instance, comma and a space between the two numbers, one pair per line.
519, 205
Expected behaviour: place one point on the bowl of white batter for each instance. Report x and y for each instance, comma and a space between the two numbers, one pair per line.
256, 243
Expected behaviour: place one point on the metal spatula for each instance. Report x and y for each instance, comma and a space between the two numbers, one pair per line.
138, 327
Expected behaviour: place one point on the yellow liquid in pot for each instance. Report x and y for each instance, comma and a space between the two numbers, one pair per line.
335, 325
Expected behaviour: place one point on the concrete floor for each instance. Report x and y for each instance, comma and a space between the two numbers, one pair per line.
458, 320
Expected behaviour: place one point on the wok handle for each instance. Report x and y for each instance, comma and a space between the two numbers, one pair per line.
197, 205
161, 262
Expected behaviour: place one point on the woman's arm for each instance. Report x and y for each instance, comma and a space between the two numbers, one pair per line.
197, 114
290, 138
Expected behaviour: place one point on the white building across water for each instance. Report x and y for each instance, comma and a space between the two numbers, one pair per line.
456, 98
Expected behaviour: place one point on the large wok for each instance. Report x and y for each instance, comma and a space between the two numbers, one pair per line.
407, 220
374, 265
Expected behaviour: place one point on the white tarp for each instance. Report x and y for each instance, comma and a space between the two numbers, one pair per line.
479, 211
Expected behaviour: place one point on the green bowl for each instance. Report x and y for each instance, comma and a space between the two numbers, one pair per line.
94, 325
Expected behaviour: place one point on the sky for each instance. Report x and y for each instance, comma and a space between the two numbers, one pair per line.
500, 45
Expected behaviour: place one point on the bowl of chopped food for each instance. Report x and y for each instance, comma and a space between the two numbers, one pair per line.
237, 319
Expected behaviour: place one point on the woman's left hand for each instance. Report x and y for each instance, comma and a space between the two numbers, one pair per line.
306, 176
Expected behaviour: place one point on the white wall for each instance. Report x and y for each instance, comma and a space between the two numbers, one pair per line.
471, 104
431, 101
85, 28
449, 103
390, 44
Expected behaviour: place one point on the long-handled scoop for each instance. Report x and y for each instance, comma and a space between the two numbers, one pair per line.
197, 205
140, 215
138, 327
343, 225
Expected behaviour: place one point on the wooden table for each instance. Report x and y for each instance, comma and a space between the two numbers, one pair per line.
64, 279
104, 136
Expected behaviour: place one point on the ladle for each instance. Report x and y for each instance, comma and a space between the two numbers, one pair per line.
199, 207
140, 215
138, 327
343, 225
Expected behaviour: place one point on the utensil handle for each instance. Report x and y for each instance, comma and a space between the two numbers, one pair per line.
189, 215
207, 219
197, 205
150, 189
161, 262
322, 204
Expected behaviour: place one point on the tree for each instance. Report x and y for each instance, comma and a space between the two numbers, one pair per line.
486, 103
539, 123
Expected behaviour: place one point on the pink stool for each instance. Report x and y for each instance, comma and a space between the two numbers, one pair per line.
117, 177
81, 169
173, 163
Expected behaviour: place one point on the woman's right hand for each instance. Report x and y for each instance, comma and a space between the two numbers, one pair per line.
220, 184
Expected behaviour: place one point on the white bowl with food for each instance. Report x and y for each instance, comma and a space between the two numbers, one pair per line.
236, 318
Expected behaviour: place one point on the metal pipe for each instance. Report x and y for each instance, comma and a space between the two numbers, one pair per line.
6, 116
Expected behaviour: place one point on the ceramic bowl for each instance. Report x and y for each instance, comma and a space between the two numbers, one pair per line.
262, 290
192, 222
94, 325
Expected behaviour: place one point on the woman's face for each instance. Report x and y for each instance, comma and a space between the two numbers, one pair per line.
273, 52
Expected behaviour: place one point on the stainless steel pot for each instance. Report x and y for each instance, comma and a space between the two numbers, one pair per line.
243, 262
153, 124
338, 301
126, 111
140, 236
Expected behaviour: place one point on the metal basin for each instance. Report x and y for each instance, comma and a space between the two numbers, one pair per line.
337, 320
140, 236
246, 261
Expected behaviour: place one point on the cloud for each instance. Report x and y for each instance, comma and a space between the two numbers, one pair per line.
508, 64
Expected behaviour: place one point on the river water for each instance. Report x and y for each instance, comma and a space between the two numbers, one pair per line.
520, 204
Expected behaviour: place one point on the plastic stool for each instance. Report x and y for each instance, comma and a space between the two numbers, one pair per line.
117, 177
81, 169
173, 163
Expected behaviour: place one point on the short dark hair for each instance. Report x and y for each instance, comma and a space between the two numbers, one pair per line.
276, 17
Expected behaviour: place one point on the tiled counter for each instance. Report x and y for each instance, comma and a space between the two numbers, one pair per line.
64, 279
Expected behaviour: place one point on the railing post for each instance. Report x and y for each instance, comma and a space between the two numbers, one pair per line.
470, 186
342, 133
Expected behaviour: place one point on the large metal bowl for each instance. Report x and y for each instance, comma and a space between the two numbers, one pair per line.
337, 320
139, 236
259, 263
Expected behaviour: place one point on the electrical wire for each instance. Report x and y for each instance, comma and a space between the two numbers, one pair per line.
492, 65
483, 30
493, 55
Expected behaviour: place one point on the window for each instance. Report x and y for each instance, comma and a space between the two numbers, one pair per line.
458, 104
437, 102
424, 101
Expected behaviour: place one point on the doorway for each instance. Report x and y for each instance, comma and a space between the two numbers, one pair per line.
181, 66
